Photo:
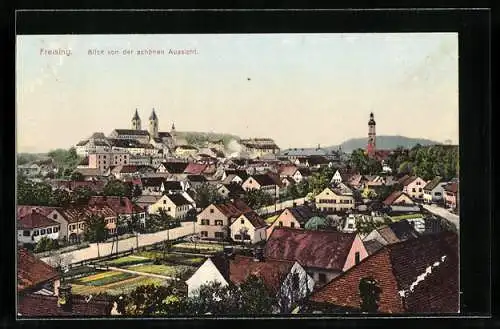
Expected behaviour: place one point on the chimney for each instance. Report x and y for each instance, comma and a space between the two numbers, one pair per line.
64, 298
258, 254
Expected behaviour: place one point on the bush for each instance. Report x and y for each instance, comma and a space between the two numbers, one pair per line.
46, 244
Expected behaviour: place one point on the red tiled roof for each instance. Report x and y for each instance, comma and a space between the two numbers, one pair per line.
195, 168
31, 271
35, 220
392, 197
452, 187
271, 271
120, 205
25, 210
254, 219
395, 268
124, 169
405, 181
287, 170
319, 249
80, 213
34, 305
233, 209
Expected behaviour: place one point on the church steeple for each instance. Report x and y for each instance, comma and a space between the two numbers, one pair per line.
153, 125
371, 146
136, 121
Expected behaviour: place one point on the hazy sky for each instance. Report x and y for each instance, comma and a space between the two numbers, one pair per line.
304, 89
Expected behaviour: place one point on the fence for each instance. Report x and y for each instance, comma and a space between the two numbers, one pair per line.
272, 209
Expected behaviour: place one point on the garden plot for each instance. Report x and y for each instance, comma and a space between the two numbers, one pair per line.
175, 271
127, 260
211, 247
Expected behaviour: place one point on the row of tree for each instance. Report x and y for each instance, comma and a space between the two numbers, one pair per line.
41, 194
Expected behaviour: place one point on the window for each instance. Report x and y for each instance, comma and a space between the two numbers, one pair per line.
168, 209
350, 225
219, 223
211, 210
420, 189
237, 237
26, 233
204, 233
219, 235
280, 224
322, 277
205, 222
54, 216
164, 201
49, 230
292, 224
242, 221
356, 258
36, 233
413, 190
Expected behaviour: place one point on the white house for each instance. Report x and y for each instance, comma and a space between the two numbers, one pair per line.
261, 182
287, 280
249, 227
208, 272
414, 187
176, 205
332, 200
34, 226
434, 190
337, 178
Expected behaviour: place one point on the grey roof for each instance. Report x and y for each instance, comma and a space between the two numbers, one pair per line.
372, 246
153, 116
136, 115
432, 184
132, 132
178, 199
304, 152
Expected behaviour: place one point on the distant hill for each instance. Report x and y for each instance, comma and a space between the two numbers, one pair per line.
384, 142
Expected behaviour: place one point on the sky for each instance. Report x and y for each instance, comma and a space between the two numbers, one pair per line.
299, 89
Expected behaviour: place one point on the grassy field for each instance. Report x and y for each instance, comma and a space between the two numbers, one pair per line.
104, 278
127, 260
200, 246
178, 271
117, 288
271, 219
173, 258
409, 216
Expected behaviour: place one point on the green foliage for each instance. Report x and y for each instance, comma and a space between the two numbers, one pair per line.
364, 164
151, 300
34, 193
369, 291
117, 188
107, 279
427, 162
46, 244
81, 195
95, 229
24, 158
65, 160
200, 138
206, 194
258, 198
76, 176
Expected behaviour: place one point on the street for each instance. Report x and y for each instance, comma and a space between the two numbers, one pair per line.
442, 212
186, 228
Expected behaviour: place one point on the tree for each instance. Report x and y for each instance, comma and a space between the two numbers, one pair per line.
60, 198
82, 194
116, 188
134, 226
46, 244
151, 300
257, 198
369, 291
136, 191
95, 230
206, 194
256, 298
76, 176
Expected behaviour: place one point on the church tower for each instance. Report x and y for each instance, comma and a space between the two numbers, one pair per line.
370, 148
173, 133
153, 125
136, 121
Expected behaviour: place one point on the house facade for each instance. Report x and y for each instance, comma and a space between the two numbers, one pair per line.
295, 217
176, 205
331, 201
434, 192
450, 195
324, 254
248, 228
213, 222
261, 182
104, 160
33, 227
414, 187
